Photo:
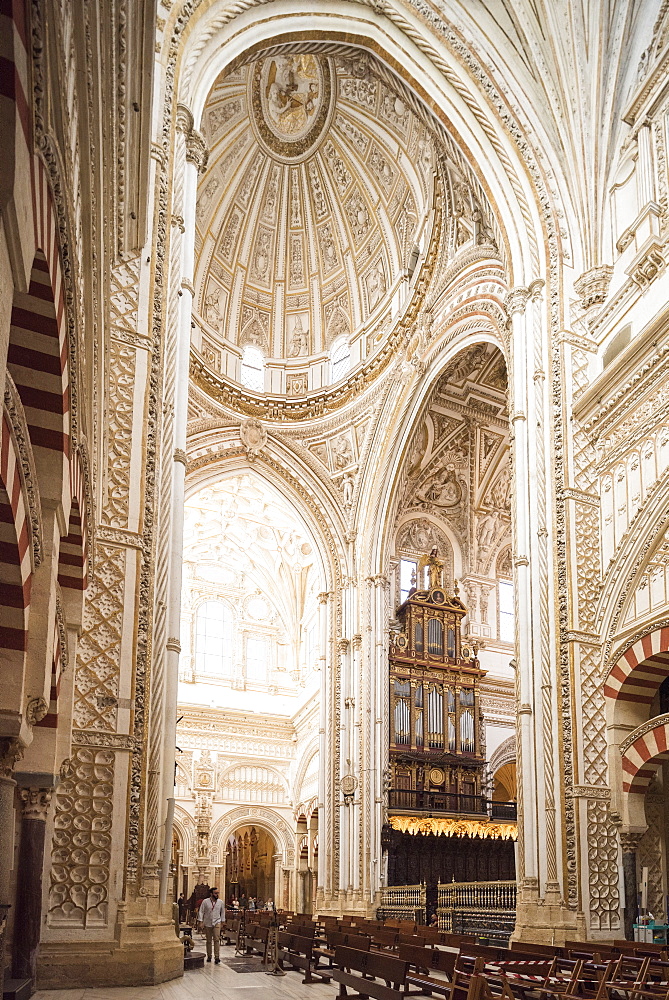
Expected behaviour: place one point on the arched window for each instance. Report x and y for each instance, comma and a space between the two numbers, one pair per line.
408, 568
253, 369
340, 359
213, 640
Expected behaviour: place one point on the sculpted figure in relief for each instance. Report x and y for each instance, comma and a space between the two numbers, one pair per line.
488, 530
342, 452
299, 345
376, 285
212, 307
347, 486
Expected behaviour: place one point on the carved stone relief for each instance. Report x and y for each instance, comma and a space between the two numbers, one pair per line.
99, 649
81, 846
602, 867
119, 426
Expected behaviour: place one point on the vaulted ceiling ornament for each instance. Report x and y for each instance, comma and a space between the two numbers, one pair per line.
324, 180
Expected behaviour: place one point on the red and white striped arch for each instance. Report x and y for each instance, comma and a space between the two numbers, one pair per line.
15, 558
640, 670
641, 759
50, 720
73, 560
37, 356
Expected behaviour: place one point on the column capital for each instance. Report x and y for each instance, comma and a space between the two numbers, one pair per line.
196, 150
11, 751
630, 841
516, 299
35, 802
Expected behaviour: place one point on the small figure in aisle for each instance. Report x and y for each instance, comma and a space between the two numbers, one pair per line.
181, 903
434, 920
211, 916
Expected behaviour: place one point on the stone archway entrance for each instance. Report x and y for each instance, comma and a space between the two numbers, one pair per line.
251, 865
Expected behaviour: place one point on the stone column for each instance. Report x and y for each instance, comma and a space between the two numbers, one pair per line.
276, 888
324, 806
548, 899
182, 292
630, 843
27, 924
10, 752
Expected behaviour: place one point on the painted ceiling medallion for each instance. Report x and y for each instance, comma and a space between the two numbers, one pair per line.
292, 102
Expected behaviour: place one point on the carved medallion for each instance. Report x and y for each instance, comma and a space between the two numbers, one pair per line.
291, 96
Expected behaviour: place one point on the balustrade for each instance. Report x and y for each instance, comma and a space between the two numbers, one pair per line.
484, 909
434, 801
403, 902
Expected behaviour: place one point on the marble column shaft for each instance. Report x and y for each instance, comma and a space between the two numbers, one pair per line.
629, 881
28, 918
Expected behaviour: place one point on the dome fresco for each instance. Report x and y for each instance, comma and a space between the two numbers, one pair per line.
319, 184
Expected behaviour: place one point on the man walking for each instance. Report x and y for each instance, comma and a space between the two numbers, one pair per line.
211, 916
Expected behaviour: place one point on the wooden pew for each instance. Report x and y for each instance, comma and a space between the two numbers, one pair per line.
256, 938
230, 929
337, 939
368, 974
426, 961
298, 953
302, 930
385, 940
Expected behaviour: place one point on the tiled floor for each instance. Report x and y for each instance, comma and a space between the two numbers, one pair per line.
214, 982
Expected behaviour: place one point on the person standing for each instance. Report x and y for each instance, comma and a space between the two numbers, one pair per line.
211, 916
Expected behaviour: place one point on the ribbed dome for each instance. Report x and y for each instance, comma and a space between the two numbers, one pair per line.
319, 184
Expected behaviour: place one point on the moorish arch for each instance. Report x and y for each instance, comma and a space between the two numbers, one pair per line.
633, 681
266, 819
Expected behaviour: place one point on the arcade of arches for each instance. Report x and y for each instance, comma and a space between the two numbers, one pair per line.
334, 478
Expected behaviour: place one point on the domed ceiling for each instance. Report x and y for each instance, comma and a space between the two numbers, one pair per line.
318, 185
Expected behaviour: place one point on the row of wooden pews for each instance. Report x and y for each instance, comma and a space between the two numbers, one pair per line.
390, 960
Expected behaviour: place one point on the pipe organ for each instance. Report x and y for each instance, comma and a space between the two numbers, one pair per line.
436, 748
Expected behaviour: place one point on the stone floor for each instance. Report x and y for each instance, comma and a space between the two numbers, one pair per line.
213, 982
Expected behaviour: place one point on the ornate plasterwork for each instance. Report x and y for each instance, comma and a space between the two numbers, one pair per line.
99, 648
269, 820
313, 149
603, 872
651, 853
81, 846
16, 415
456, 470
422, 825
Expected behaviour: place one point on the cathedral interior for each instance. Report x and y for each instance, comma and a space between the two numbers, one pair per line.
334, 479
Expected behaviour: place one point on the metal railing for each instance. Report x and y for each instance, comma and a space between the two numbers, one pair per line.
484, 909
403, 902
409, 798
431, 801
504, 811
